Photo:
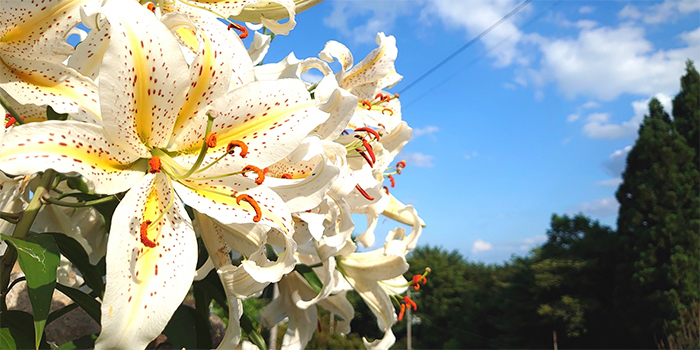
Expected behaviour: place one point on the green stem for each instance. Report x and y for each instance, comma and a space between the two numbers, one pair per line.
10, 217
6, 264
11, 110
35, 204
55, 201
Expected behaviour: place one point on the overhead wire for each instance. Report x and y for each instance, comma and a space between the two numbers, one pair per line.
477, 58
467, 45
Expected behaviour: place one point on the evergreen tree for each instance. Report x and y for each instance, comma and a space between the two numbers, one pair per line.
657, 224
686, 114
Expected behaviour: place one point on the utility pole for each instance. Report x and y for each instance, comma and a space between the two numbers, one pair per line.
554, 338
272, 340
408, 321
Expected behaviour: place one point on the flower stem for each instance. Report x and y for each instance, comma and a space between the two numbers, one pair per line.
35, 204
51, 200
11, 110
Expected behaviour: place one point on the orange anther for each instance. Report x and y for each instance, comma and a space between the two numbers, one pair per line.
10, 120
253, 203
363, 192
388, 110
240, 144
417, 280
151, 6
386, 98
411, 303
367, 105
211, 140
370, 131
261, 174
386, 189
240, 28
144, 235
154, 165
393, 182
401, 313
400, 165
287, 176
379, 96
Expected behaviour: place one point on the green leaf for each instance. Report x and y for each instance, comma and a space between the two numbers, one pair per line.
53, 115
253, 334
38, 257
74, 252
310, 276
84, 342
88, 303
16, 330
60, 312
185, 322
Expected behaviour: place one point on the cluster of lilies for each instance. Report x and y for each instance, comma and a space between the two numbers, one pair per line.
161, 110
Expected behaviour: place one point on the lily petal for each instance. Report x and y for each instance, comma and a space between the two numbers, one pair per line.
67, 146
145, 285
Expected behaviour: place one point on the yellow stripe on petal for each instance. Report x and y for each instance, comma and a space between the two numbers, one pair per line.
41, 17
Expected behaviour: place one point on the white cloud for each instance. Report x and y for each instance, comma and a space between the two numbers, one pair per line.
590, 105
417, 159
598, 126
469, 156
481, 246
586, 9
617, 162
614, 182
605, 62
572, 117
361, 20
601, 207
667, 11
428, 130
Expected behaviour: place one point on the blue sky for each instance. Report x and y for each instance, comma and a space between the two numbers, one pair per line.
505, 137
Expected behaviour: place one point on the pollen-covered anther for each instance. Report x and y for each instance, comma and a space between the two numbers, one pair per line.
152, 7
393, 181
240, 28
400, 165
144, 235
364, 193
258, 171
369, 131
211, 140
386, 189
253, 203
367, 105
391, 112
287, 176
154, 165
240, 144
402, 312
417, 280
380, 96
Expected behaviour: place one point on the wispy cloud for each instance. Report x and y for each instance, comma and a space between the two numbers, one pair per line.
617, 161
598, 125
586, 10
428, 130
572, 117
469, 156
417, 159
524, 244
601, 207
667, 11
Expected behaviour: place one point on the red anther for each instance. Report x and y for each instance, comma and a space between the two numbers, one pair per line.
368, 148
151, 6
388, 110
144, 235
154, 165
403, 310
381, 125
252, 202
363, 192
400, 165
240, 28
367, 104
287, 176
386, 98
393, 182
239, 144
266, 170
386, 189
261, 174
417, 280
379, 96
10, 121
410, 302
211, 140
370, 131
366, 157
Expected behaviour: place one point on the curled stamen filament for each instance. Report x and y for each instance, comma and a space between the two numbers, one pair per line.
240, 144
240, 28
364, 193
253, 203
261, 174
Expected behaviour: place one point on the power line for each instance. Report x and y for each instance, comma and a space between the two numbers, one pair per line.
465, 46
476, 59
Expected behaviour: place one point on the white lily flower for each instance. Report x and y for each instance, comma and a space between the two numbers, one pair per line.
151, 254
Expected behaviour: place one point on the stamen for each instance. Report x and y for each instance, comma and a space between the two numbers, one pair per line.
410, 302
366, 157
10, 120
202, 151
370, 131
388, 110
287, 176
386, 189
253, 203
379, 96
400, 165
367, 104
151, 6
240, 28
144, 235
403, 310
393, 182
368, 147
154, 165
261, 174
386, 98
363, 192
240, 144
211, 140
